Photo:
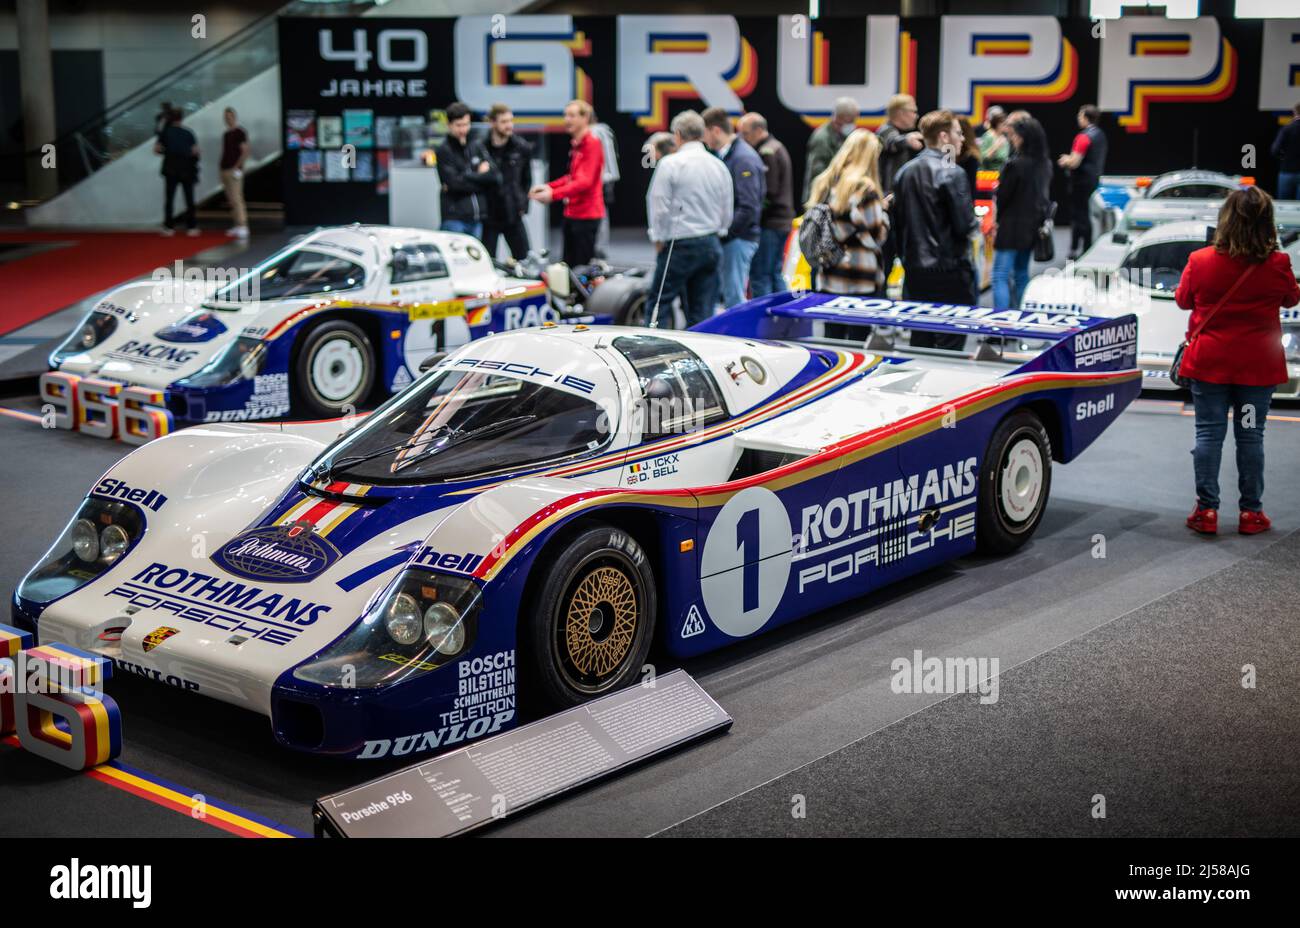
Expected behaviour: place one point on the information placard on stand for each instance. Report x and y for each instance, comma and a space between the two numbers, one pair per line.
463, 790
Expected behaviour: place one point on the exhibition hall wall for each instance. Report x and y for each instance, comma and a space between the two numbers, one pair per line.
1176, 92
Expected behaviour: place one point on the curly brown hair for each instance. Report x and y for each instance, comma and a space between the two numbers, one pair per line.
1246, 228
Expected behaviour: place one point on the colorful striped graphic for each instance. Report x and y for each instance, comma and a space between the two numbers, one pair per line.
1217, 85
1151, 44
13, 640
742, 78
1013, 44
324, 515
1060, 86
819, 67
170, 796
534, 75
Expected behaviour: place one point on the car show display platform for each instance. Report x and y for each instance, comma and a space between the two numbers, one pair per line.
1120, 674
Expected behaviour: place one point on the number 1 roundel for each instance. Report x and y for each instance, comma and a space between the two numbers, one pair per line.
746, 561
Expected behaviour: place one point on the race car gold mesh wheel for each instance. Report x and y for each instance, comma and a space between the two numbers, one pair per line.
601, 622
587, 625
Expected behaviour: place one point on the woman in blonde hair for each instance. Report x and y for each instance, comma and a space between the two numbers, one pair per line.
850, 185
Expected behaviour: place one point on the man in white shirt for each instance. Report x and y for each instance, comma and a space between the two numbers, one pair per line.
689, 205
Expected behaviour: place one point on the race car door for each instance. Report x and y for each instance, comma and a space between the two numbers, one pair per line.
421, 280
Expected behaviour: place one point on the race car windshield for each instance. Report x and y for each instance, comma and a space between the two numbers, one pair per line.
1192, 192
462, 424
301, 272
1159, 266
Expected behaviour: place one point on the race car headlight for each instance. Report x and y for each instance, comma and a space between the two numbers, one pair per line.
113, 542
443, 629
423, 621
93, 329
402, 620
98, 536
242, 359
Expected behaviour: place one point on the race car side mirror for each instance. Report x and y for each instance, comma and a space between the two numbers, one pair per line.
1120, 238
432, 360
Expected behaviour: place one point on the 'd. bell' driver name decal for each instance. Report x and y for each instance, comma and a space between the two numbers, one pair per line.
878, 525
227, 605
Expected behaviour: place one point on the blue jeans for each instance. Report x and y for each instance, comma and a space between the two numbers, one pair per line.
1212, 401
1288, 185
765, 270
459, 225
692, 274
737, 255
1010, 277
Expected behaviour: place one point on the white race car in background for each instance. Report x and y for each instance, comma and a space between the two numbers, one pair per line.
340, 318
1115, 192
1121, 275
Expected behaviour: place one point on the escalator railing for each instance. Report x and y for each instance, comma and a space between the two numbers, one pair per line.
209, 75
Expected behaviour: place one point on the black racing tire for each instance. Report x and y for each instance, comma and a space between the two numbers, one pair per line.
1015, 482
622, 298
633, 310
334, 370
589, 628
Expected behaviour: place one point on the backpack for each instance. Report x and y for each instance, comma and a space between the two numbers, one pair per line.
817, 238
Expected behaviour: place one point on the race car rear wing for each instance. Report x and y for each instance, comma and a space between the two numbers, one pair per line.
1057, 341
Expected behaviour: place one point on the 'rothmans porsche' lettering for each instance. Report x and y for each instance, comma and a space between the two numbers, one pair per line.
887, 502
237, 596
907, 309
1097, 339
119, 489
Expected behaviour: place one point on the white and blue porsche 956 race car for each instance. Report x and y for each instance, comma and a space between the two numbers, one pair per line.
340, 318
539, 507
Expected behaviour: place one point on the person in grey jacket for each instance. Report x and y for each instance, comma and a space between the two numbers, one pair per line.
749, 188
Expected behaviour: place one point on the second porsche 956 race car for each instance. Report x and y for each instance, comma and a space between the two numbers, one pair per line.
1139, 275
538, 508
338, 318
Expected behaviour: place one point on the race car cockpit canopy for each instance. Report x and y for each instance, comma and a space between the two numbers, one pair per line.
491, 407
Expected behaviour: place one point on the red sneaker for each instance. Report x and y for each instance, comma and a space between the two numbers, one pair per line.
1205, 521
1252, 523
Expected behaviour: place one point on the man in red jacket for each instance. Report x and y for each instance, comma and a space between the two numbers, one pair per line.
580, 189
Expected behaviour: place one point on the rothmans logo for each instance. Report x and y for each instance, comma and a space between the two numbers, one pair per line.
285, 553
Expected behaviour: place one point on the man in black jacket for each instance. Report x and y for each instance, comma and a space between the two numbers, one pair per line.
749, 188
778, 206
933, 225
466, 173
508, 201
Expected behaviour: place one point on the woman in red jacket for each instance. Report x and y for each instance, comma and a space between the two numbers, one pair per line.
1236, 359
